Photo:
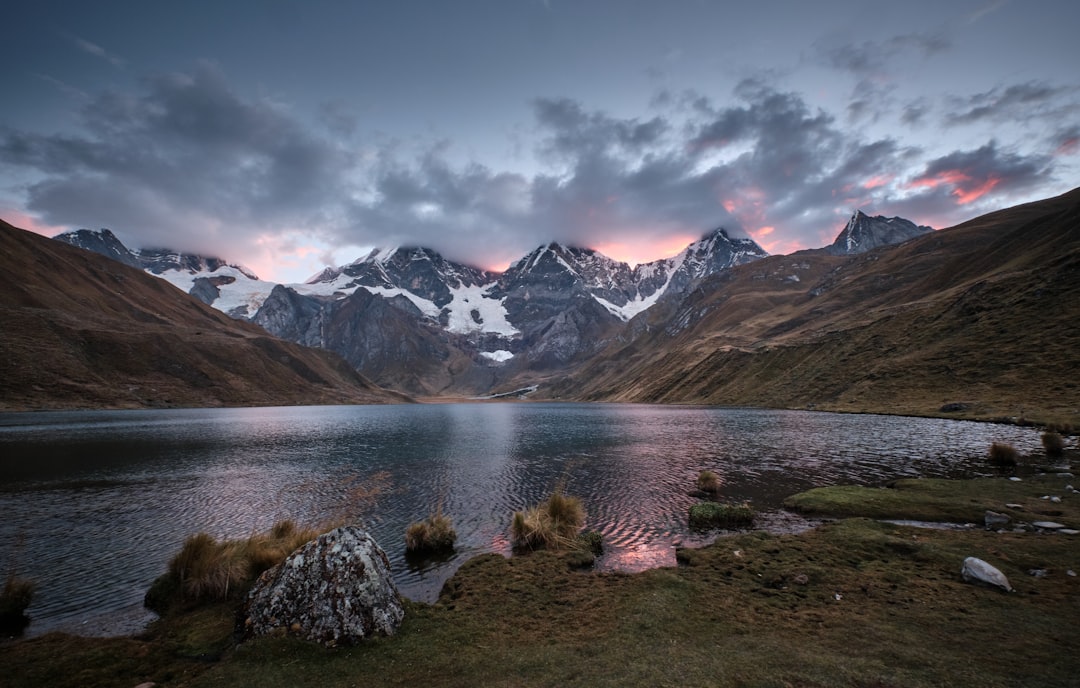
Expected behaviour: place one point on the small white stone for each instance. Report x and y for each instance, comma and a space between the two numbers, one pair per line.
1055, 499
1069, 531
1048, 525
1014, 479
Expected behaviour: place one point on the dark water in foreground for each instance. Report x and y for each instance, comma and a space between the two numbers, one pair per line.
93, 504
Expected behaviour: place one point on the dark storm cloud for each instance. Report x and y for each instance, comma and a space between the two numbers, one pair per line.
187, 147
191, 164
914, 113
574, 132
871, 63
1015, 102
870, 58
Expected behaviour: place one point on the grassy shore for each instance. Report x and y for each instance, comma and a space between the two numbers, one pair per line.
855, 602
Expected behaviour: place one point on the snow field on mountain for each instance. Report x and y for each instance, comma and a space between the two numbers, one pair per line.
243, 291
490, 312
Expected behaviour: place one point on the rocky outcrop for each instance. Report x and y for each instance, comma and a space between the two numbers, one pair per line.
334, 590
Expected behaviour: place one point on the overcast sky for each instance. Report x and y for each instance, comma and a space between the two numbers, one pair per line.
292, 135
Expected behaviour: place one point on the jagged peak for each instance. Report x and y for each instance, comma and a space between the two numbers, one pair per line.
863, 232
102, 232
327, 274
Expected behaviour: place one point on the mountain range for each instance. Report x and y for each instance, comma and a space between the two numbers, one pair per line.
980, 317
413, 321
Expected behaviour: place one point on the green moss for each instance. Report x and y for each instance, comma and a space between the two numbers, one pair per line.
952, 501
717, 515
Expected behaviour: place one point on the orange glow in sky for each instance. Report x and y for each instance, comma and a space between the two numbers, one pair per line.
878, 181
954, 177
961, 182
963, 197
645, 250
23, 221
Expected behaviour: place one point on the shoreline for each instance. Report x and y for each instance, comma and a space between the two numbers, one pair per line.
851, 570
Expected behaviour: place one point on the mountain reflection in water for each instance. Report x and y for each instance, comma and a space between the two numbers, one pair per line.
94, 504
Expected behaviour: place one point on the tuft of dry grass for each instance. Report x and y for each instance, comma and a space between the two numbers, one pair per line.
434, 534
1053, 443
707, 481
15, 597
206, 570
552, 524
1003, 454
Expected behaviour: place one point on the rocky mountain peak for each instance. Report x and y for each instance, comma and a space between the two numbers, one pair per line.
100, 241
863, 233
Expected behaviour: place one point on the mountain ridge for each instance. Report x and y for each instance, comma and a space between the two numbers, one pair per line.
983, 314
85, 331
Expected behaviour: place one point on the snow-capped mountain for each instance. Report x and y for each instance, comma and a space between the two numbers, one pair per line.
864, 233
229, 287
408, 314
100, 241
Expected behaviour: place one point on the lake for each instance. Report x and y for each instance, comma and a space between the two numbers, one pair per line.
94, 504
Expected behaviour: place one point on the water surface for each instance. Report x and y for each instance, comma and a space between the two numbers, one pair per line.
93, 504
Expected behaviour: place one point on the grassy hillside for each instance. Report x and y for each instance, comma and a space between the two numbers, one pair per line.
82, 331
985, 314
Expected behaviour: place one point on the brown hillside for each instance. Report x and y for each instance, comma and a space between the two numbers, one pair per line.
78, 330
986, 313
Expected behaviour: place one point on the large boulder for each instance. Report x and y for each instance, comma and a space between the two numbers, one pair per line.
334, 590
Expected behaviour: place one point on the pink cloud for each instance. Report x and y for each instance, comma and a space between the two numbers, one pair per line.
23, 221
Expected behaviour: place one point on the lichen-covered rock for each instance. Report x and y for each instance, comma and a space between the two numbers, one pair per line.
334, 590
978, 570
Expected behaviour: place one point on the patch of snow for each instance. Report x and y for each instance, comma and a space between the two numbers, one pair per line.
243, 291
340, 285
637, 305
247, 292
491, 312
500, 356
426, 307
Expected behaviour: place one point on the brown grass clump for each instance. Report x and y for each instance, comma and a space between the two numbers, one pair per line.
552, 524
1053, 443
707, 481
1003, 454
434, 534
206, 570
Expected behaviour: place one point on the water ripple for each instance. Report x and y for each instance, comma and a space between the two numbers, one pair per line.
93, 504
